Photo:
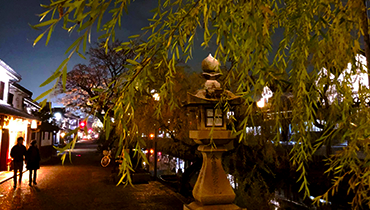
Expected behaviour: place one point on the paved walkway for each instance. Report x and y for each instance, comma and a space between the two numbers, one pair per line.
84, 184
7, 175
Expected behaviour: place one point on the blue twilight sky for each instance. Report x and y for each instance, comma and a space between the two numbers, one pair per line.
36, 64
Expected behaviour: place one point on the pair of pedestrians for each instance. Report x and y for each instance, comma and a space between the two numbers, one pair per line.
32, 156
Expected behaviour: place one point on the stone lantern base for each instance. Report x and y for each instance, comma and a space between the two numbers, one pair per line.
212, 189
198, 206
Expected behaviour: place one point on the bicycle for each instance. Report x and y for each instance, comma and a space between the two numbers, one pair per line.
106, 159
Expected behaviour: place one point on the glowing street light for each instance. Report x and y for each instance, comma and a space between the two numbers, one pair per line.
152, 136
62, 134
261, 103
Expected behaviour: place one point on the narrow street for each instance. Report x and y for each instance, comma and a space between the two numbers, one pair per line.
84, 184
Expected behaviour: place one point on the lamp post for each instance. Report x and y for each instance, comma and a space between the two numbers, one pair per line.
156, 97
155, 154
153, 137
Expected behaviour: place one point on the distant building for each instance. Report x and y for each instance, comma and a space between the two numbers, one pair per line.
67, 121
354, 78
46, 133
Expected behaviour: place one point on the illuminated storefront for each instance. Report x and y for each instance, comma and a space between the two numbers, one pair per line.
13, 124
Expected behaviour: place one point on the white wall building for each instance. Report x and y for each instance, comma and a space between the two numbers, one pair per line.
354, 78
14, 120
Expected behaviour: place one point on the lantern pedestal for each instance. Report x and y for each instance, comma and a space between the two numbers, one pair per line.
212, 189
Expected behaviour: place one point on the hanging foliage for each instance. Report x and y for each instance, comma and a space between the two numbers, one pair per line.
316, 41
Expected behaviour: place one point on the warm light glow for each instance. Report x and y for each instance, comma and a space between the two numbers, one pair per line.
17, 127
151, 135
261, 103
90, 130
33, 124
15, 124
151, 151
156, 97
159, 153
58, 116
62, 134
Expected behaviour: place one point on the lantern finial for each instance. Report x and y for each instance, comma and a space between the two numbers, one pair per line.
210, 64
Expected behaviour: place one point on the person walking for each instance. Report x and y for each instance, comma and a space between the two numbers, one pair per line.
17, 153
33, 162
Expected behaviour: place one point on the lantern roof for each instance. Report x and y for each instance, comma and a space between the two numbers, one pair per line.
212, 92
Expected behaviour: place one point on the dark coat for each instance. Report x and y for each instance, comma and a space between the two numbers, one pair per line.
33, 158
17, 153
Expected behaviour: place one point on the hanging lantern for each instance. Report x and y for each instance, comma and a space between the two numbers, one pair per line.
33, 124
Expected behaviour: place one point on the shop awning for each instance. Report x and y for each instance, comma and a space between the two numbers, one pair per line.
8, 110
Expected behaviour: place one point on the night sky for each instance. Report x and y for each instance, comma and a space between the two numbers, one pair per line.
36, 64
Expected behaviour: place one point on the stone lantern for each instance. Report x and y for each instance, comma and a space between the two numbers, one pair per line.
212, 189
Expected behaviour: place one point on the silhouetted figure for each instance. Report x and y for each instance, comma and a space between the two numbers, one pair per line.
33, 161
17, 153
